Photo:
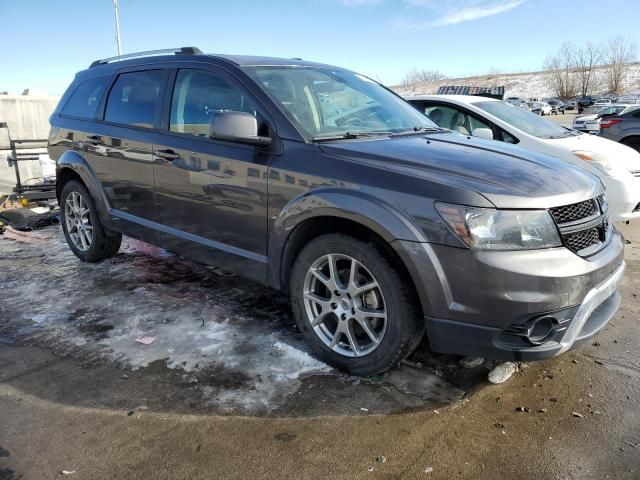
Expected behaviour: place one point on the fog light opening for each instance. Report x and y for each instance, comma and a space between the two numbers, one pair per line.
541, 329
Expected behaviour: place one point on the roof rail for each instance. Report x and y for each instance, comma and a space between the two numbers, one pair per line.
166, 51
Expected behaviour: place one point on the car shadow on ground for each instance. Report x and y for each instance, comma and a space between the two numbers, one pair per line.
220, 344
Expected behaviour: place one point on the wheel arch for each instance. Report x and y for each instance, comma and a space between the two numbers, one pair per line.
335, 211
72, 166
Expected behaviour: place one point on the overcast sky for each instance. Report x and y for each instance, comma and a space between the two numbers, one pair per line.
45, 41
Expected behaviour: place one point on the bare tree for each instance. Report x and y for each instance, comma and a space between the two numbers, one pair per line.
416, 76
560, 66
587, 58
618, 53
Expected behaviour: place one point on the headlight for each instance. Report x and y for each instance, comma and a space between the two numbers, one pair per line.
491, 229
597, 161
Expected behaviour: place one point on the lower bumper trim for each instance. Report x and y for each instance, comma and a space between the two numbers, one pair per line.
461, 338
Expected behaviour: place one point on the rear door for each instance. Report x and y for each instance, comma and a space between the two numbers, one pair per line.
119, 147
211, 192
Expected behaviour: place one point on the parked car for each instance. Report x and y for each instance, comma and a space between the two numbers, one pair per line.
591, 123
378, 223
585, 102
629, 100
617, 165
603, 102
570, 105
541, 108
517, 101
624, 128
557, 106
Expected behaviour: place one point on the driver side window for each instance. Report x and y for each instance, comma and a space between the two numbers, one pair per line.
198, 95
455, 119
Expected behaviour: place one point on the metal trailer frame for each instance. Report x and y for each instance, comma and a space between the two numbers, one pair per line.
37, 191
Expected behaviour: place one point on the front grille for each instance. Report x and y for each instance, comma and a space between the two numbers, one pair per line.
581, 240
583, 225
574, 212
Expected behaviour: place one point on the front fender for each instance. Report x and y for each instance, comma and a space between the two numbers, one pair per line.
385, 220
73, 161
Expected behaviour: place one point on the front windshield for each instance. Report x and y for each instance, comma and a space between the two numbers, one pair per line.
326, 102
523, 120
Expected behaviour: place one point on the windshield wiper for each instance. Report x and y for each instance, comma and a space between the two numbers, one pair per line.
420, 129
348, 136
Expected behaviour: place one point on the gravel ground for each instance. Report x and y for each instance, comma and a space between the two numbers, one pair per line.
78, 394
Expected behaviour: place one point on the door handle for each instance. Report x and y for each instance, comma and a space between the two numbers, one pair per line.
166, 154
93, 140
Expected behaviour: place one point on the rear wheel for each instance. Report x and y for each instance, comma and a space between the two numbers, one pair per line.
81, 225
354, 307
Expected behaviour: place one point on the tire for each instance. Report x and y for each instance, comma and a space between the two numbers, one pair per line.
398, 334
633, 142
79, 215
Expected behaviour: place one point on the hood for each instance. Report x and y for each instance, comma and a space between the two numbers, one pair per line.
626, 158
508, 176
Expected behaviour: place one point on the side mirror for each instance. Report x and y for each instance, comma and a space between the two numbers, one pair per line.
485, 133
239, 127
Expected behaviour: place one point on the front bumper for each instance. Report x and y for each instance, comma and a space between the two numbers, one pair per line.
623, 197
473, 300
598, 307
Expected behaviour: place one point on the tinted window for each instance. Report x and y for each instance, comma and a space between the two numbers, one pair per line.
134, 98
84, 100
197, 95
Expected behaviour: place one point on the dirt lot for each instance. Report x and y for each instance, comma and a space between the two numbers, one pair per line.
565, 120
228, 390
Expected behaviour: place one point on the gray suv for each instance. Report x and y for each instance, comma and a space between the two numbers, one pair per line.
381, 226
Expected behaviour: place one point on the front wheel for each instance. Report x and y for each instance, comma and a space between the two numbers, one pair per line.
354, 307
81, 225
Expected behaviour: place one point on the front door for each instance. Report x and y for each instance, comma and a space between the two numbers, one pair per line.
208, 191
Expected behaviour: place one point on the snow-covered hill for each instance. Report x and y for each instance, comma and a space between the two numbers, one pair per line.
526, 85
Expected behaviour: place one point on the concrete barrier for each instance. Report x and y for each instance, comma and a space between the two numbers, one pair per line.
27, 117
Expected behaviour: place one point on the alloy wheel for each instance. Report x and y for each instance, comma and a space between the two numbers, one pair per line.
344, 305
77, 217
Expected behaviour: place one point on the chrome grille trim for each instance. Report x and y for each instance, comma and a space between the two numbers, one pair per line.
584, 226
575, 211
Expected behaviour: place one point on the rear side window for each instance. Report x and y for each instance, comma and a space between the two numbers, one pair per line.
198, 95
133, 100
84, 100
